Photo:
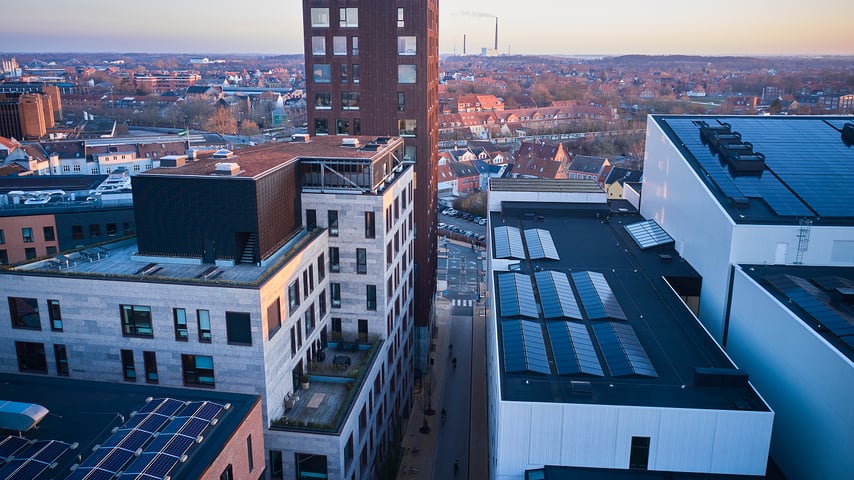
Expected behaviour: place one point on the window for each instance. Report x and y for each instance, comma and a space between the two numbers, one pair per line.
274, 318
400, 23
319, 17
61, 357
293, 341
336, 327
238, 328
293, 296
406, 74
355, 42
322, 73
333, 223
66, 168
306, 286
4, 257
321, 126
50, 250
639, 456
371, 296
309, 320
321, 304
339, 45
25, 313
94, 231
370, 225
357, 126
321, 268
150, 361
203, 317
180, 317
249, 458
299, 333
342, 126
356, 73
348, 451
334, 260
406, 127
49, 235
77, 232
30, 253
348, 17
198, 370
318, 45
55, 315
406, 45
2, 237
401, 101
31, 357
310, 465
361, 260
112, 230
350, 100
227, 474
136, 321
363, 330
128, 367
27, 234
311, 219
344, 73
276, 470
335, 294
322, 100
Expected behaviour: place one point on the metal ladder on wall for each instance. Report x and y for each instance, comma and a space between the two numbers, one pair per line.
803, 239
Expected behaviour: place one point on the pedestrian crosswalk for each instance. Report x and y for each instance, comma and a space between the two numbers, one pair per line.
461, 302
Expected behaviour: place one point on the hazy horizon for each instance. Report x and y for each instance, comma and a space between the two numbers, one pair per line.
552, 27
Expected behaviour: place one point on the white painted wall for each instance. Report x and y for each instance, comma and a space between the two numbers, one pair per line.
495, 198
689, 440
805, 380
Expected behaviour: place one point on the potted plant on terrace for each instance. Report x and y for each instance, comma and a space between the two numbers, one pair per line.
304, 381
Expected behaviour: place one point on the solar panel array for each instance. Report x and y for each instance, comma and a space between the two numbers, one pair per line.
516, 296
809, 164
168, 421
524, 347
816, 304
540, 244
508, 243
28, 461
598, 299
10, 445
556, 295
624, 354
648, 234
573, 349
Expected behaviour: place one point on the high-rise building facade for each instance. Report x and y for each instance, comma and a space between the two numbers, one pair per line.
374, 70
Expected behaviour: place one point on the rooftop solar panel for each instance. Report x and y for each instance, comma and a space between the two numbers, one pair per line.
524, 347
816, 303
556, 295
516, 296
34, 459
623, 352
10, 445
508, 243
540, 244
648, 234
597, 297
573, 349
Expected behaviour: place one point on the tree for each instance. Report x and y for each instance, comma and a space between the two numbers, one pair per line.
776, 107
248, 127
221, 122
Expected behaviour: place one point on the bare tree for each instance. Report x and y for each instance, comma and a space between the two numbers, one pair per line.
221, 122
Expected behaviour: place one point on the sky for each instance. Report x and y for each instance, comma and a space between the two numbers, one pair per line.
597, 27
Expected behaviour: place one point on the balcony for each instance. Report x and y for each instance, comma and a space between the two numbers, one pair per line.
333, 386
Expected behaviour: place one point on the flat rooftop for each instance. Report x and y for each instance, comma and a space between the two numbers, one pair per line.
254, 161
85, 412
597, 259
543, 185
822, 297
807, 166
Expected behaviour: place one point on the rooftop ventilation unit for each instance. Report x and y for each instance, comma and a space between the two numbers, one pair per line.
350, 142
222, 154
707, 131
227, 168
746, 164
720, 377
848, 134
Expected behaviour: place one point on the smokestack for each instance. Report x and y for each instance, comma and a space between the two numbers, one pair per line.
464, 44
496, 34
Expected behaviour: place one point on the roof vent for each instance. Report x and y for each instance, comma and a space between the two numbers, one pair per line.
300, 137
223, 154
227, 168
581, 388
740, 202
848, 134
350, 142
746, 164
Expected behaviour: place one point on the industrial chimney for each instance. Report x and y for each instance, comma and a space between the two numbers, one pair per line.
496, 34
464, 44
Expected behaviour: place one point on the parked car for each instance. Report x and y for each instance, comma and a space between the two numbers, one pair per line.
482, 221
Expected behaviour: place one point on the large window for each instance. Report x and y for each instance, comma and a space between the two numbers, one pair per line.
322, 100
198, 370
333, 223
136, 321
276, 469
335, 294
371, 296
342, 126
406, 74
406, 127
319, 17
334, 260
293, 296
370, 225
406, 45
31, 357
61, 357
339, 45
180, 317
25, 313
49, 235
348, 17
150, 361
318, 45
238, 328
55, 315
203, 318
361, 261
350, 100
322, 73
128, 366
310, 466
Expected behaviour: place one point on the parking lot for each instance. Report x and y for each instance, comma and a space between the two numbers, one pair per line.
462, 225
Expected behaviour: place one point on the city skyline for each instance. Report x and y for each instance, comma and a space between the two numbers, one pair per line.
777, 28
